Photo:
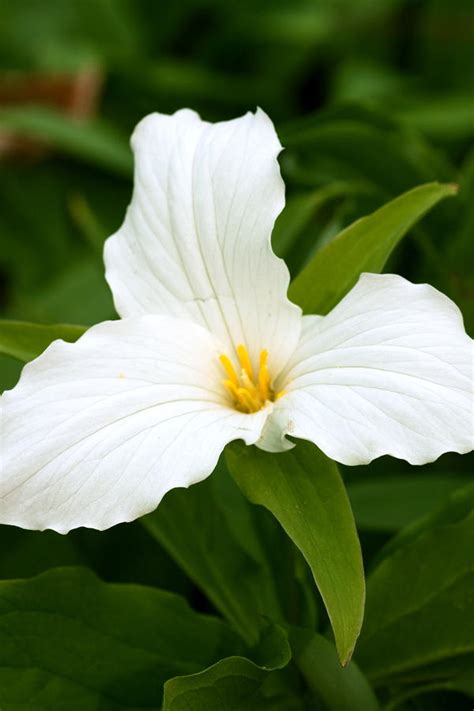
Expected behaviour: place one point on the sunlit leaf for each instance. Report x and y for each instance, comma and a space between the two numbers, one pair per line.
304, 491
364, 246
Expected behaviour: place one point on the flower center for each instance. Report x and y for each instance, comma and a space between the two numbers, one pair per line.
250, 391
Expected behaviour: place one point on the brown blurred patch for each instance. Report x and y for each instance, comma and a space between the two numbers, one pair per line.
75, 95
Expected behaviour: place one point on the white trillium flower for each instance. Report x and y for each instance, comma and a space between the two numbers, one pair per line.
209, 349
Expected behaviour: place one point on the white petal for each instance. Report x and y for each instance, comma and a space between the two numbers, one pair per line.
388, 371
96, 432
196, 239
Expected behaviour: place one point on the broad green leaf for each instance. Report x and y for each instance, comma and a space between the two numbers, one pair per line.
390, 503
364, 246
419, 600
70, 641
26, 341
238, 683
91, 141
335, 686
304, 491
208, 530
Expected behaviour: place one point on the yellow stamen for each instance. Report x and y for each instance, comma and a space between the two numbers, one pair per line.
250, 403
229, 369
232, 388
249, 393
264, 376
244, 358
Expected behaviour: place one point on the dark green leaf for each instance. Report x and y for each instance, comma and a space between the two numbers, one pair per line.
10, 370
464, 683
26, 341
69, 641
351, 142
419, 599
446, 117
218, 547
237, 683
390, 503
364, 246
304, 491
335, 686
80, 294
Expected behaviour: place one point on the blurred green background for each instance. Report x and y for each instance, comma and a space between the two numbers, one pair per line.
370, 98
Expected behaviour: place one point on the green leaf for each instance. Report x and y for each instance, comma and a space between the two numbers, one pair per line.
233, 684
238, 683
299, 212
335, 686
419, 624
390, 503
364, 246
217, 545
304, 491
91, 141
70, 641
26, 341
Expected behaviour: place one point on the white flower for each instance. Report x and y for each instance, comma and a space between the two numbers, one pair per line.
209, 349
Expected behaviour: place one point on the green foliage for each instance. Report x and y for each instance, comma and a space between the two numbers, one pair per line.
333, 685
26, 341
364, 246
71, 641
92, 142
218, 546
425, 583
373, 105
303, 489
390, 503
237, 683
233, 684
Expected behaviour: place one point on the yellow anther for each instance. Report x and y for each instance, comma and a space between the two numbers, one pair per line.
249, 394
229, 369
244, 358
